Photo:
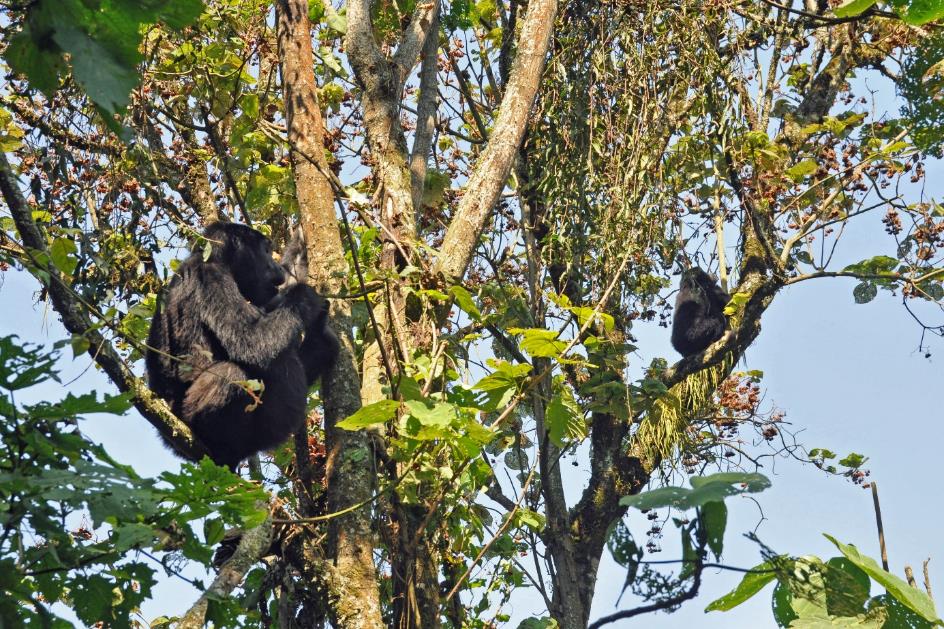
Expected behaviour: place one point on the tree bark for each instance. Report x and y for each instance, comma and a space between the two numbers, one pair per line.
354, 594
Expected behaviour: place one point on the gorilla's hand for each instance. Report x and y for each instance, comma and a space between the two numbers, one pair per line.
303, 300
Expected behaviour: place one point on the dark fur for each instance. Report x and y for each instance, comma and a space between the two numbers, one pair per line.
699, 317
214, 330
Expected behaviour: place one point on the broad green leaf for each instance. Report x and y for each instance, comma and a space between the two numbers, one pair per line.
714, 517
370, 415
899, 616
531, 519
437, 415
864, 292
736, 304
877, 265
752, 583
853, 7
336, 21
913, 598
464, 301
540, 343
800, 170
564, 419
705, 489
847, 587
62, 251
781, 605
213, 530
923, 11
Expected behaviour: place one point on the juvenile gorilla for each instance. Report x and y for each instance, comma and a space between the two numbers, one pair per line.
699, 317
215, 331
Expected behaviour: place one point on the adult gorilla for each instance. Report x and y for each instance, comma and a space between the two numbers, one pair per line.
699, 317
214, 332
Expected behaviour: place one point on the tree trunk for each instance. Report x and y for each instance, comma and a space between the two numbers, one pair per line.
354, 593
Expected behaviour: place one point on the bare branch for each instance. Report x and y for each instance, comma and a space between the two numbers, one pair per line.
423, 23
425, 112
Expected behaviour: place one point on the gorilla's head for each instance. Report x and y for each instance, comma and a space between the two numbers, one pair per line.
248, 255
695, 279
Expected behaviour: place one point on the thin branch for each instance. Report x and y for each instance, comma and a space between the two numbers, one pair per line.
654, 607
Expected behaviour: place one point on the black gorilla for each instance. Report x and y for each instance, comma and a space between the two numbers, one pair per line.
699, 317
220, 326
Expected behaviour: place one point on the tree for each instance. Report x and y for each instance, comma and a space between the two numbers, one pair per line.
485, 281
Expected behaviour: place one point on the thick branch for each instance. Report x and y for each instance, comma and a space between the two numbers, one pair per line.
423, 22
252, 546
77, 322
493, 167
425, 113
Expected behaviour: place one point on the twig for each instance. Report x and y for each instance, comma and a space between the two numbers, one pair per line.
927, 578
689, 594
881, 529
909, 575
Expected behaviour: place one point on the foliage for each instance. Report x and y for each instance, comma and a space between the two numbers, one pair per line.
811, 592
81, 529
98, 42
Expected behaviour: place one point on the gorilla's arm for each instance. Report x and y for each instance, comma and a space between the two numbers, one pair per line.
719, 297
247, 334
319, 349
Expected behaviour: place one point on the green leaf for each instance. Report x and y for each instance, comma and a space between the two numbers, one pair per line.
913, 598
899, 616
370, 415
714, 517
850, 8
800, 170
923, 11
531, 519
736, 304
336, 21
540, 343
316, 11
92, 597
213, 531
435, 415
464, 301
538, 623
62, 251
752, 583
847, 587
877, 265
564, 419
41, 66
864, 292
781, 604
705, 489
